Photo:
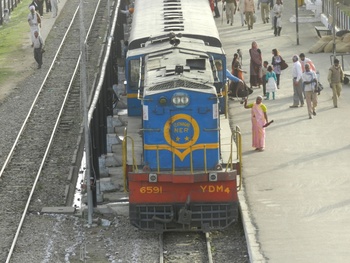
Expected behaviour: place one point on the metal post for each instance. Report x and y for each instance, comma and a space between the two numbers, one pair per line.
83, 81
297, 20
333, 28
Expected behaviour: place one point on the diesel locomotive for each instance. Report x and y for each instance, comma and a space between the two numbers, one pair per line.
180, 159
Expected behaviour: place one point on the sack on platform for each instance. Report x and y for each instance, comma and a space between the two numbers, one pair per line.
283, 64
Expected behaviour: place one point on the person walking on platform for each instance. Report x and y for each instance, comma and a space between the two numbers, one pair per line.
231, 6
54, 7
241, 11
297, 83
259, 119
310, 82
38, 46
265, 10
216, 9
304, 60
271, 13
276, 63
34, 22
48, 5
249, 11
277, 19
335, 79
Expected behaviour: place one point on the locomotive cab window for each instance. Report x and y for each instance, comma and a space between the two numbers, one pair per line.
218, 71
134, 73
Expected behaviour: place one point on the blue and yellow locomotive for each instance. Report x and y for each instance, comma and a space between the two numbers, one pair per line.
179, 174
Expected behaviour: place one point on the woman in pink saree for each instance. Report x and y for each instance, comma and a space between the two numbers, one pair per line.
259, 119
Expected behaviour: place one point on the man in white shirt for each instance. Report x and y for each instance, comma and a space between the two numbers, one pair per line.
309, 81
297, 83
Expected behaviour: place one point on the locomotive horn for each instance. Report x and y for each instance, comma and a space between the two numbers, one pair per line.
174, 41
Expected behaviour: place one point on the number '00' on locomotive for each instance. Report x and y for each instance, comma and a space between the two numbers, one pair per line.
180, 169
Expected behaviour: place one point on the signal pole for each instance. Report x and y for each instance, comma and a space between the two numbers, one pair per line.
83, 83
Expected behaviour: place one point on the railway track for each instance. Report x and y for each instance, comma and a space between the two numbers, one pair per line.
189, 247
228, 245
40, 158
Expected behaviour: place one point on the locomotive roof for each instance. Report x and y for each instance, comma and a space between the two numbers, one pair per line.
175, 68
157, 18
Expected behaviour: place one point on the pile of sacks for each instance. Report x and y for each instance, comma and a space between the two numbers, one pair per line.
325, 43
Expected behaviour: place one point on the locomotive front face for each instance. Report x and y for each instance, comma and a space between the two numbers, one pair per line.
181, 130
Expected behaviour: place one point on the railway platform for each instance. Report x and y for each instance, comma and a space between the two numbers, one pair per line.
295, 200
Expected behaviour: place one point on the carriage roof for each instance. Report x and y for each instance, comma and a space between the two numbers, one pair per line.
157, 18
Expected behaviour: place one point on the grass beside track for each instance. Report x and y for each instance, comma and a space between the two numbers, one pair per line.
14, 39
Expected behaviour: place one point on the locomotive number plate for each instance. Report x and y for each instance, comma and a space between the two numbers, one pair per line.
151, 190
215, 189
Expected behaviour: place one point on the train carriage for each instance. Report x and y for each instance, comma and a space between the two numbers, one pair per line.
178, 176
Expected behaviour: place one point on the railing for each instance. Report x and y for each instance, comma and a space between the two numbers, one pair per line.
6, 6
342, 18
236, 138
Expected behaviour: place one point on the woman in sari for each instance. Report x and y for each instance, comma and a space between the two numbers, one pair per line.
259, 119
237, 67
255, 65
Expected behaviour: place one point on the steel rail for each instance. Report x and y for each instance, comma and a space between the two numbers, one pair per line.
54, 129
161, 248
207, 242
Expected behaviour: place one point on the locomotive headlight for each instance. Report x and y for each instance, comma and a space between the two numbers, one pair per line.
180, 99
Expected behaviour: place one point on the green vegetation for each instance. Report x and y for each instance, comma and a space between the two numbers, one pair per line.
345, 8
12, 37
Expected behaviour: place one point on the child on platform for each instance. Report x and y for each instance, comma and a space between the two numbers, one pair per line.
264, 71
271, 82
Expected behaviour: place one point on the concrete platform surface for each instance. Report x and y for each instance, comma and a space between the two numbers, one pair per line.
295, 202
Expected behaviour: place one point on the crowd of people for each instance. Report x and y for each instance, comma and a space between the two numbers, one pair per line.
247, 11
305, 82
305, 78
35, 15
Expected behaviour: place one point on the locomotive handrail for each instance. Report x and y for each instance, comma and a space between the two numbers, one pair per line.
205, 158
156, 130
134, 166
226, 100
216, 129
236, 137
239, 154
